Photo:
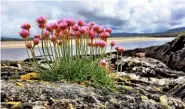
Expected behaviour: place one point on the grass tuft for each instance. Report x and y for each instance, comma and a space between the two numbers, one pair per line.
80, 70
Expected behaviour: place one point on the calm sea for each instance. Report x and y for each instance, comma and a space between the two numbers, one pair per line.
20, 53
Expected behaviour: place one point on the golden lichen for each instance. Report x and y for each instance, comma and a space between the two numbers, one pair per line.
19, 84
164, 101
29, 76
113, 100
157, 88
70, 106
14, 104
143, 97
127, 87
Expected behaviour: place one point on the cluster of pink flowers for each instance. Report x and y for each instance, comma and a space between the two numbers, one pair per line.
63, 32
67, 29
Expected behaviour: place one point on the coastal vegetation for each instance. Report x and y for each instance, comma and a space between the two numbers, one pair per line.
83, 62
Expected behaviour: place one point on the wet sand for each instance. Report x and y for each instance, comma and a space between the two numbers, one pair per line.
20, 44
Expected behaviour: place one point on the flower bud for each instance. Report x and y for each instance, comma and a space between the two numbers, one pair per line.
26, 26
112, 43
29, 45
35, 41
24, 33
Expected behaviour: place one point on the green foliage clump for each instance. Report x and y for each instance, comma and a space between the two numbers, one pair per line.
79, 70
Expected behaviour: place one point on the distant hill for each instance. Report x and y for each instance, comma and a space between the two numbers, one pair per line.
168, 33
3, 38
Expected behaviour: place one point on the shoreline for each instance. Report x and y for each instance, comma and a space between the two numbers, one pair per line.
20, 44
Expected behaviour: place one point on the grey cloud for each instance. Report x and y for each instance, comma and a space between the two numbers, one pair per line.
121, 15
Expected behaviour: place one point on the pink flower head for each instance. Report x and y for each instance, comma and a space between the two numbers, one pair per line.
91, 34
75, 28
41, 20
26, 26
37, 36
81, 23
91, 24
46, 34
42, 25
24, 33
100, 29
54, 25
97, 43
83, 30
63, 25
77, 34
112, 43
104, 35
120, 49
29, 45
71, 33
108, 30
54, 39
117, 47
36, 41
49, 28
96, 27
103, 62
70, 22
102, 44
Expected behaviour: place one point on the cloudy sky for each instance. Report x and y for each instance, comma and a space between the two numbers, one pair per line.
122, 15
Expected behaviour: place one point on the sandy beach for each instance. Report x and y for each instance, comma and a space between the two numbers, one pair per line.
20, 44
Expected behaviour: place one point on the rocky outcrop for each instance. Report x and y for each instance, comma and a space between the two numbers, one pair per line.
64, 95
171, 53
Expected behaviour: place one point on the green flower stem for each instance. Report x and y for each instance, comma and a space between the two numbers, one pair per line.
51, 50
117, 60
27, 51
121, 56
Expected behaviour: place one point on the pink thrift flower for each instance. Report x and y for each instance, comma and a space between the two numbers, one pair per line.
63, 25
97, 43
75, 28
70, 22
24, 33
37, 36
81, 23
108, 30
103, 62
91, 24
41, 20
100, 29
120, 49
49, 28
29, 45
96, 27
102, 44
77, 34
116, 48
91, 34
42, 25
26, 26
35, 41
83, 30
112, 43
46, 34
54, 39
54, 25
